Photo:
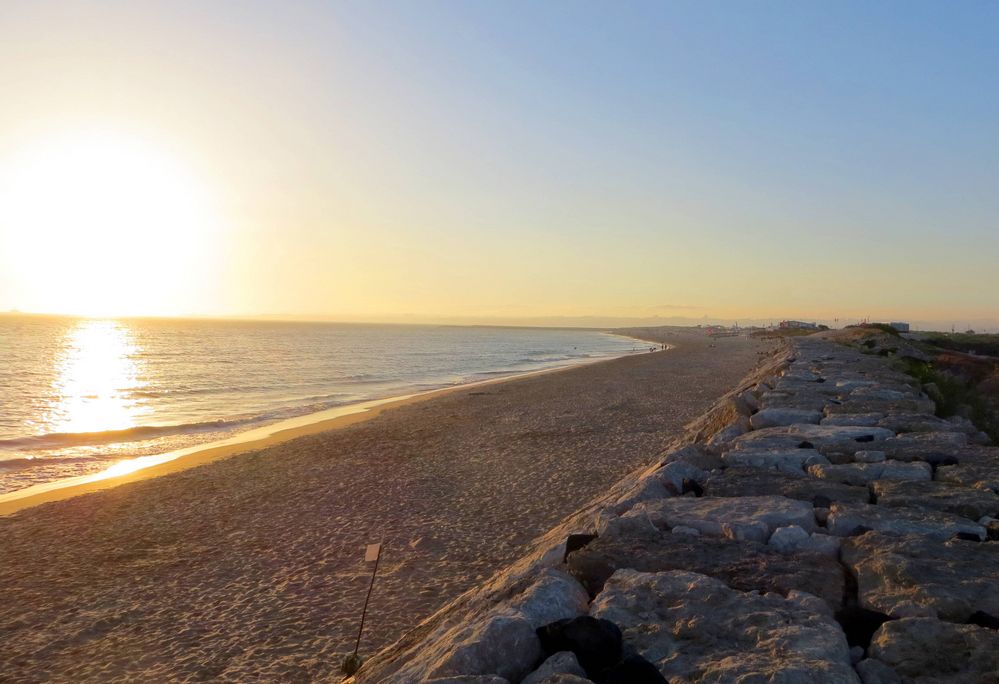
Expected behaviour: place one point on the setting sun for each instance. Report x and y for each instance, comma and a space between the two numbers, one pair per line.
102, 224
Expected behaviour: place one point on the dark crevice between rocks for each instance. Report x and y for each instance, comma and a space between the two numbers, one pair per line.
806, 445
983, 619
600, 650
860, 624
575, 542
864, 439
692, 486
872, 496
967, 536
937, 460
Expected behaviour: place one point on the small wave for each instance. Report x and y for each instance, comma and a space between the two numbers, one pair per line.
9, 464
132, 434
547, 358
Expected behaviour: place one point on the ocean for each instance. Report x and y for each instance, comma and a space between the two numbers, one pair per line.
79, 395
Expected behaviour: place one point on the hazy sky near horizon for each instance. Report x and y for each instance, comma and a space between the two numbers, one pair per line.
378, 160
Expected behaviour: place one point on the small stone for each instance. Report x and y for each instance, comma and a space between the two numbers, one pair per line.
690, 531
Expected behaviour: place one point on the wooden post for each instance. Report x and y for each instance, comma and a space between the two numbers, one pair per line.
352, 663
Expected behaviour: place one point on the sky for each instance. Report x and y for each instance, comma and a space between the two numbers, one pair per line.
501, 161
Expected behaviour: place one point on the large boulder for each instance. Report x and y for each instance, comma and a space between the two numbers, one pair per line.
968, 502
914, 574
502, 641
746, 517
749, 481
696, 629
503, 645
871, 405
981, 475
864, 473
774, 417
559, 663
845, 519
854, 419
743, 565
792, 461
839, 438
693, 455
917, 422
928, 651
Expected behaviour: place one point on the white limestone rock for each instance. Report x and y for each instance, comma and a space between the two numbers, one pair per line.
687, 623
865, 473
752, 516
787, 460
928, 651
503, 645
825, 544
695, 456
869, 456
873, 671
645, 489
773, 417
561, 663
844, 438
788, 539
503, 641
846, 518
914, 575
673, 474
853, 419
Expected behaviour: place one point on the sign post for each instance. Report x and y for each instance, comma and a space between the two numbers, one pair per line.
372, 553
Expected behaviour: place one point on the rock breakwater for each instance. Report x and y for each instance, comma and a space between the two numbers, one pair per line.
819, 524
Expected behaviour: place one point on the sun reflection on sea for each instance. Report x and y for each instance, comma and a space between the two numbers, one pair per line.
96, 372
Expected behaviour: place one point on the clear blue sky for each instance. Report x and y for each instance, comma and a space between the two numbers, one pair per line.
513, 160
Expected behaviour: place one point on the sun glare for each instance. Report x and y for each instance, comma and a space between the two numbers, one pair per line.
95, 373
102, 224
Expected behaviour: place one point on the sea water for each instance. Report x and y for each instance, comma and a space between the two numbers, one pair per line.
78, 395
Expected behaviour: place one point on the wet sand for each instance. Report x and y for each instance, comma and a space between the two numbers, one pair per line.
250, 568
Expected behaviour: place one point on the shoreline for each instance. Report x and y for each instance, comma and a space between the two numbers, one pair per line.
270, 434
251, 568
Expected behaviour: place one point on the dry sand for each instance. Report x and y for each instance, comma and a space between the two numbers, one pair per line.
250, 568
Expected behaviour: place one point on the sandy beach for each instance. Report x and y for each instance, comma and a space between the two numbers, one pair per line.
250, 568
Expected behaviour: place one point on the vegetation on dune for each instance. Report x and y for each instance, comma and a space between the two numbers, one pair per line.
965, 342
954, 395
960, 384
883, 327
787, 332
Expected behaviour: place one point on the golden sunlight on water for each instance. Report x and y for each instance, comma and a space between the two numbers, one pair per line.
95, 373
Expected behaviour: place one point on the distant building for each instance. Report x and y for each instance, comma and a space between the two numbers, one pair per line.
900, 326
798, 324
